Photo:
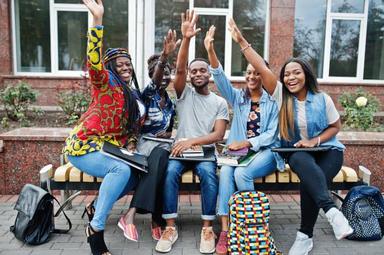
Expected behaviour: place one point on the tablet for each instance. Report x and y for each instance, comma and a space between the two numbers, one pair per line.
294, 149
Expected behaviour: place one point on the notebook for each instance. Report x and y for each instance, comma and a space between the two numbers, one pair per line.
294, 149
136, 160
209, 155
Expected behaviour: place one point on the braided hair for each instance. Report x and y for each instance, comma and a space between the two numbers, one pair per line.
130, 124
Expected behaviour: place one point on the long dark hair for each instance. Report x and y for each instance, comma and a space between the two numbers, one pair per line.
130, 124
286, 115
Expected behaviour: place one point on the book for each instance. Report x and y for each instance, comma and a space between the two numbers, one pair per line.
230, 160
208, 155
241, 152
134, 159
195, 151
158, 139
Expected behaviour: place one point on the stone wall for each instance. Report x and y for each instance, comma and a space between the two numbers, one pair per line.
25, 151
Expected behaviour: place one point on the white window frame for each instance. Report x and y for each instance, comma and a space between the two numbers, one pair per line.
363, 18
227, 12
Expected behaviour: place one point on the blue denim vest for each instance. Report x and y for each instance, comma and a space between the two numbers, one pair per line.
317, 122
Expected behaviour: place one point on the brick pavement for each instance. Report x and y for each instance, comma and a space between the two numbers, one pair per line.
285, 218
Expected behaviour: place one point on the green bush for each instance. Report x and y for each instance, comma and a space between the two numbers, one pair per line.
360, 107
17, 100
75, 101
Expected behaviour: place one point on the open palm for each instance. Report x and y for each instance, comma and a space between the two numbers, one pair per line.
170, 44
235, 32
209, 38
95, 7
188, 22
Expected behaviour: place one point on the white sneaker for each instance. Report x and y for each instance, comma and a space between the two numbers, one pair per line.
167, 239
339, 223
207, 240
302, 245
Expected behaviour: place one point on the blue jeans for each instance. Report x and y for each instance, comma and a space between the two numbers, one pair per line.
208, 187
263, 164
117, 181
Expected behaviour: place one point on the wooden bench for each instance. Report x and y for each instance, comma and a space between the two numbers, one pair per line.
68, 178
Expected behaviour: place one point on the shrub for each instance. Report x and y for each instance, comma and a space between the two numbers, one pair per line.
17, 100
360, 107
75, 101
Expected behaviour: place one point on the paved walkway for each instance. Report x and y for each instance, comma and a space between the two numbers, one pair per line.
285, 218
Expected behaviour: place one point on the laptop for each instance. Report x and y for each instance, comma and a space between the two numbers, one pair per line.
295, 149
134, 159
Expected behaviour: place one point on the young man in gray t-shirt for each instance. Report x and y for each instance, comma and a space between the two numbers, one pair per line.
202, 118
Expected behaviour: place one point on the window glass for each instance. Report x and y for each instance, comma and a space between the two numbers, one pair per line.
211, 3
71, 39
374, 48
69, 2
250, 16
310, 17
205, 22
115, 23
32, 36
168, 18
344, 48
347, 6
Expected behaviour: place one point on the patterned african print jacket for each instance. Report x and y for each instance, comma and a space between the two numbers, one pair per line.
103, 119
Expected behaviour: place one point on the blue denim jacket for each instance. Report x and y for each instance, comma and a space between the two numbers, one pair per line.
241, 106
317, 122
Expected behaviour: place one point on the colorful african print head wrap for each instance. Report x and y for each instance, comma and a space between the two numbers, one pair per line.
113, 53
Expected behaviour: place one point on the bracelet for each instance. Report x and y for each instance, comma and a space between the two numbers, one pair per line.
246, 47
318, 141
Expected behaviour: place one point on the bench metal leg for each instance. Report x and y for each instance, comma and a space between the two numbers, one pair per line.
65, 194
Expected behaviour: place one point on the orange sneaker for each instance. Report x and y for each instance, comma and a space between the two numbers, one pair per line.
130, 231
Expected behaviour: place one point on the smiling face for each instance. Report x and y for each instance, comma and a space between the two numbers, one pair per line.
124, 68
294, 78
252, 78
199, 73
166, 77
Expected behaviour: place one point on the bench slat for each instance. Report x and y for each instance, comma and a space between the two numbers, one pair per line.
75, 175
270, 178
62, 173
283, 177
339, 177
187, 177
350, 175
88, 178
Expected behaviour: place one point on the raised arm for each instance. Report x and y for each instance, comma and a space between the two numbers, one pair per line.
268, 78
209, 46
188, 22
97, 9
169, 46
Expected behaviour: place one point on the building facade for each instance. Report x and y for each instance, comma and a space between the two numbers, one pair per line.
44, 41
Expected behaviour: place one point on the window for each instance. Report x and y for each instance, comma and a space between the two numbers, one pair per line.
250, 15
50, 36
343, 39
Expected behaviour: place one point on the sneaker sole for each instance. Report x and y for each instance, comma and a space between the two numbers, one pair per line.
168, 250
208, 252
122, 228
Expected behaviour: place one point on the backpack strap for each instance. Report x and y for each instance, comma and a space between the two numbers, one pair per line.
61, 209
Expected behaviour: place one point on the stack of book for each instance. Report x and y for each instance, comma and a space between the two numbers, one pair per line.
240, 157
194, 152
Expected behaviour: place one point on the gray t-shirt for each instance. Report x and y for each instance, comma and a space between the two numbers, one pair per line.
196, 113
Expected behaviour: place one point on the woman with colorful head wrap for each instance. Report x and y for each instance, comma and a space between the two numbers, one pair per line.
114, 115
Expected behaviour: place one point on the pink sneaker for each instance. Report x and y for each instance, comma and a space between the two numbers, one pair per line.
222, 244
156, 233
130, 231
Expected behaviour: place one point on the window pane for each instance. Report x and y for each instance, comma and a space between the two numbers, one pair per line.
68, 2
250, 16
167, 16
347, 6
344, 47
374, 49
205, 22
115, 23
309, 38
32, 36
72, 27
211, 3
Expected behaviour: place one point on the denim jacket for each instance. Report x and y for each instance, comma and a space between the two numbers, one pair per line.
241, 106
317, 122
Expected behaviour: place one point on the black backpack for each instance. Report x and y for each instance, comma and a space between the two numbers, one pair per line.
35, 218
364, 209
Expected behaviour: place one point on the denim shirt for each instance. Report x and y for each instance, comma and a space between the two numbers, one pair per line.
317, 122
241, 106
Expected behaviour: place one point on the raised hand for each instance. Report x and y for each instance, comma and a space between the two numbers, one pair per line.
188, 22
97, 9
235, 32
170, 44
209, 38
